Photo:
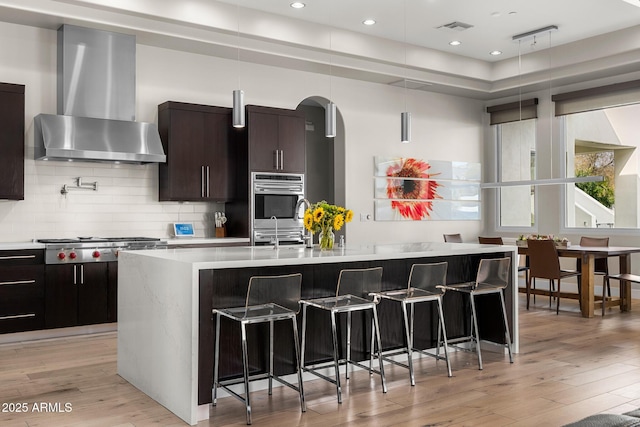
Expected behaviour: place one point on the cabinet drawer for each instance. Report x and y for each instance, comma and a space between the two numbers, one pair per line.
18, 315
22, 257
22, 282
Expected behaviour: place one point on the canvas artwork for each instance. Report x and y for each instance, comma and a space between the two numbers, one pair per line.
419, 190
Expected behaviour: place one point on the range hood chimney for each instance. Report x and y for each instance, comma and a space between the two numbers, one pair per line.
96, 103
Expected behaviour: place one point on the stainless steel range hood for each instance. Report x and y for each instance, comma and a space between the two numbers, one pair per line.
96, 103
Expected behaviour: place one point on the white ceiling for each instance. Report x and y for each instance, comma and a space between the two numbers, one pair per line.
596, 39
494, 22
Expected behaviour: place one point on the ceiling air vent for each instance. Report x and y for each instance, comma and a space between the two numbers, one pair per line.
455, 26
412, 84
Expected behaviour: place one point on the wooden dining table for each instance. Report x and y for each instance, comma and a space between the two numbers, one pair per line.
587, 256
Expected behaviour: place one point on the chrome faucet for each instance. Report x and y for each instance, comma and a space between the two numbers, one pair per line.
276, 245
307, 236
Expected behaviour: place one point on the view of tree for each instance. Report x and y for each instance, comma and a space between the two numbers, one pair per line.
599, 164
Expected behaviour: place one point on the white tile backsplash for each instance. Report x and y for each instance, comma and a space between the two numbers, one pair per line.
125, 204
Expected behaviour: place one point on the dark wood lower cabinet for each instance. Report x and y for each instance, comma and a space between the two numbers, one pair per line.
228, 287
21, 290
76, 294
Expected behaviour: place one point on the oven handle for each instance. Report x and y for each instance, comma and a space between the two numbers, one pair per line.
279, 188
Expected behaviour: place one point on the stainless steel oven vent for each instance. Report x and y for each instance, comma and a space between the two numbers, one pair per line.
96, 87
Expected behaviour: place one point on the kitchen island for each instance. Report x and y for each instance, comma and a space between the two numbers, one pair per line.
165, 325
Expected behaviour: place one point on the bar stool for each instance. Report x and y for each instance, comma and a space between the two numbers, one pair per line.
269, 299
492, 278
352, 291
421, 287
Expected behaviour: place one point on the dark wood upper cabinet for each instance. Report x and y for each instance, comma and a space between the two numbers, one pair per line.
12, 141
276, 139
197, 140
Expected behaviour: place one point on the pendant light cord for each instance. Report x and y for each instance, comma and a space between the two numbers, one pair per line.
238, 39
550, 109
404, 12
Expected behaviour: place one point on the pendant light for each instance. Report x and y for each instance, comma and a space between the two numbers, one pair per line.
238, 94
405, 116
548, 181
330, 110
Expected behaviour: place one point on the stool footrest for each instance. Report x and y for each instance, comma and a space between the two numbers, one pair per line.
227, 383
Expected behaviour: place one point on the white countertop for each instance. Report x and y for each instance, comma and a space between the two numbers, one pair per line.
9, 246
257, 256
175, 241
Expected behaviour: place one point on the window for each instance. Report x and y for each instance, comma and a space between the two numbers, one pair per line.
517, 162
603, 142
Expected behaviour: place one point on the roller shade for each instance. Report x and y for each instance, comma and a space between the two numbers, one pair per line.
513, 111
597, 98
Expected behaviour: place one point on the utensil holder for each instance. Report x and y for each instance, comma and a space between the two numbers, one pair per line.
221, 232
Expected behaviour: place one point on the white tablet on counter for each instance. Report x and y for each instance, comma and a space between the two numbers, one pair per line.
183, 229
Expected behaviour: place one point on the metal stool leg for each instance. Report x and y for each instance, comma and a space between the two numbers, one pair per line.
216, 361
304, 334
348, 357
506, 326
442, 327
296, 344
335, 355
408, 330
377, 330
270, 358
372, 347
245, 370
475, 327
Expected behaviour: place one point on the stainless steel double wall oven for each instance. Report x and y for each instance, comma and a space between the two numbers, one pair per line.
274, 197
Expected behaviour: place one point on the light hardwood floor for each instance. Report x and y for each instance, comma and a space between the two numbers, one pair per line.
568, 368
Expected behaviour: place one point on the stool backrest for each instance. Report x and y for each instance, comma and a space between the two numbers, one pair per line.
428, 276
452, 238
494, 272
283, 290
490, 240
359, 282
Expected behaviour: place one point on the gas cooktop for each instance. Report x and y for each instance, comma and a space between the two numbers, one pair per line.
94, 249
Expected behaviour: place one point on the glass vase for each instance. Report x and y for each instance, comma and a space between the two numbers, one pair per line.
326, 239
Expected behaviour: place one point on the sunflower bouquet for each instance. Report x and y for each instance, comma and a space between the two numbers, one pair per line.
324, 218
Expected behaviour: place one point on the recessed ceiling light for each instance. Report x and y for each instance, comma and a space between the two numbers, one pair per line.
297, 5
455, 42
495, 52
369, 21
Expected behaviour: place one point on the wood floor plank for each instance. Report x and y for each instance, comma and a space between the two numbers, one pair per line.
569, 367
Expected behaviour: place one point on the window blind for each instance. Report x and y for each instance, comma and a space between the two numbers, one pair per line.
597, 98
513, 111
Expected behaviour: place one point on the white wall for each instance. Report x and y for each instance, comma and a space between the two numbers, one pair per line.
444, 128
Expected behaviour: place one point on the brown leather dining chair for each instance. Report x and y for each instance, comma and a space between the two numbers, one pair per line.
544, 263
498, 241
452, 238
601, 266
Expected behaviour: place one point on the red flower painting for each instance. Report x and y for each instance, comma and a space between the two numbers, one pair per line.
417, 192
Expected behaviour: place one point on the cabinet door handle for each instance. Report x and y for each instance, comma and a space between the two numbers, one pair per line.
208, 182
281, 159
2, 258
81, 274
275, 152
18, 316
201, 181
18, 282
75, 275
